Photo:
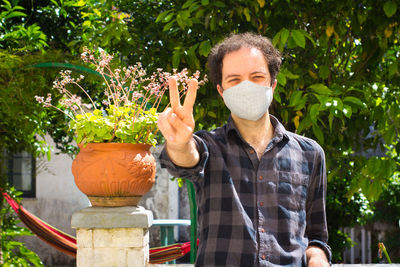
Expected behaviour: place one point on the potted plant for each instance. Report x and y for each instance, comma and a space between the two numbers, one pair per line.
114, 166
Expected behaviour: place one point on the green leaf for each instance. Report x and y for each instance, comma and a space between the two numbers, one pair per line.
318, 133
354, 100
304, 124
80, 3
330, 119
204, 48
191, 57
314, 111
289, 74
176, 58
219, 4
205, 2
169, 25
183, 19
309, 38
212, 23
281, 78
347, 111
86, 24
284, 35
261, 3
277, 97
390, 134
187, 4
299, 38
324, 72
15, 14
393, 68
276, 38
390, 8
246, 13
212, 114
162, 16
321, 89
295, 98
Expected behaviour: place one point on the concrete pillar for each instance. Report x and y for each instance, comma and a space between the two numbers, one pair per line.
108, 237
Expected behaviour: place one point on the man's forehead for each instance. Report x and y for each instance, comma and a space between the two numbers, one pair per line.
254, 51
245, 58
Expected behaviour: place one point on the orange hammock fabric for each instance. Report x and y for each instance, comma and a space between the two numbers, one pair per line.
67, 243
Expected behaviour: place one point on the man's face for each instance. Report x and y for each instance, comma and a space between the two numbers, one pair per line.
244, 64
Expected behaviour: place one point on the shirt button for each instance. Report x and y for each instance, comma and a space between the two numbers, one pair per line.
261, 203
260, 177
263, 257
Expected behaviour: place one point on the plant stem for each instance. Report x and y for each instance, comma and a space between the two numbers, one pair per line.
382, 248
94, 106
63, 112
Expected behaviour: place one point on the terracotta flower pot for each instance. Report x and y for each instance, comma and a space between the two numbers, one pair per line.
114, 174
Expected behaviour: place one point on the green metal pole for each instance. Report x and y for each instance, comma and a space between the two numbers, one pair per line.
171, 240
164, 237
193, 221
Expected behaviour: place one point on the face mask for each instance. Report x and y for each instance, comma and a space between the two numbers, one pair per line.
248, 100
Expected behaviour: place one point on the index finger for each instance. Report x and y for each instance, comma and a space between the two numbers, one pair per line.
191, 95
173, 92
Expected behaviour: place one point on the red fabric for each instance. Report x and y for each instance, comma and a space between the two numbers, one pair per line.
51, 235
67, 244
19, 209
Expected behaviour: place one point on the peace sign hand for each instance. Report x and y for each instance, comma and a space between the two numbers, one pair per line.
177, 123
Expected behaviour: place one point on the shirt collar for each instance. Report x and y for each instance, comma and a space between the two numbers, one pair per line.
280, 132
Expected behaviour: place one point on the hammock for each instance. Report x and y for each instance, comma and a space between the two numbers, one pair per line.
67, 243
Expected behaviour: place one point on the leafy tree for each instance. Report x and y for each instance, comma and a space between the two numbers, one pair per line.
339, 82
20, 119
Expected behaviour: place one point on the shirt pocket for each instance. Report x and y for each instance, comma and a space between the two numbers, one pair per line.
292, 190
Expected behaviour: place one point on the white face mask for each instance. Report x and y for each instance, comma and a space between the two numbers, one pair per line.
248, 100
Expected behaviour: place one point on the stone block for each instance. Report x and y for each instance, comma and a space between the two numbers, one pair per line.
84, 238
115, 217
120, 238
101, 257
138, 257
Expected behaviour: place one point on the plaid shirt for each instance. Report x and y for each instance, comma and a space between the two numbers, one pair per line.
257, 212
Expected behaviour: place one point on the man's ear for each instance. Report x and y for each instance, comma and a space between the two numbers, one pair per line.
274, 85
220, 91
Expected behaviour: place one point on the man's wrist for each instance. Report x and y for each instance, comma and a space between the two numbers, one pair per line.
184, 155
316, 252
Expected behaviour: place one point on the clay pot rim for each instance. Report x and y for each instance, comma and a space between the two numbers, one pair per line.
113, 146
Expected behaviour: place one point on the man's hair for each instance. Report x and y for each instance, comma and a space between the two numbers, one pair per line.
236, 41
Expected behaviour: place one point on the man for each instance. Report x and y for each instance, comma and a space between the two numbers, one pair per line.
260, 189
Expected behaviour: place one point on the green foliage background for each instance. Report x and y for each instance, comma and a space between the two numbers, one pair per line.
339, 82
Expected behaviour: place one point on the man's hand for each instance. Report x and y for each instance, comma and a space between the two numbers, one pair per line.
177, 125
316, 257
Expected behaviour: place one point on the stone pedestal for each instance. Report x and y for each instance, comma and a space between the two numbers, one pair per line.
112, 236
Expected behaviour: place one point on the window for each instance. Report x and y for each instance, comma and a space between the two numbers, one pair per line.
21, 173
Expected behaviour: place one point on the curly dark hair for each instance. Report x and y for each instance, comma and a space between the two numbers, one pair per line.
236, 41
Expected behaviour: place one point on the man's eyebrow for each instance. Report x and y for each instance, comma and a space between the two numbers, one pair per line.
238, 75
231, 75
258, 72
